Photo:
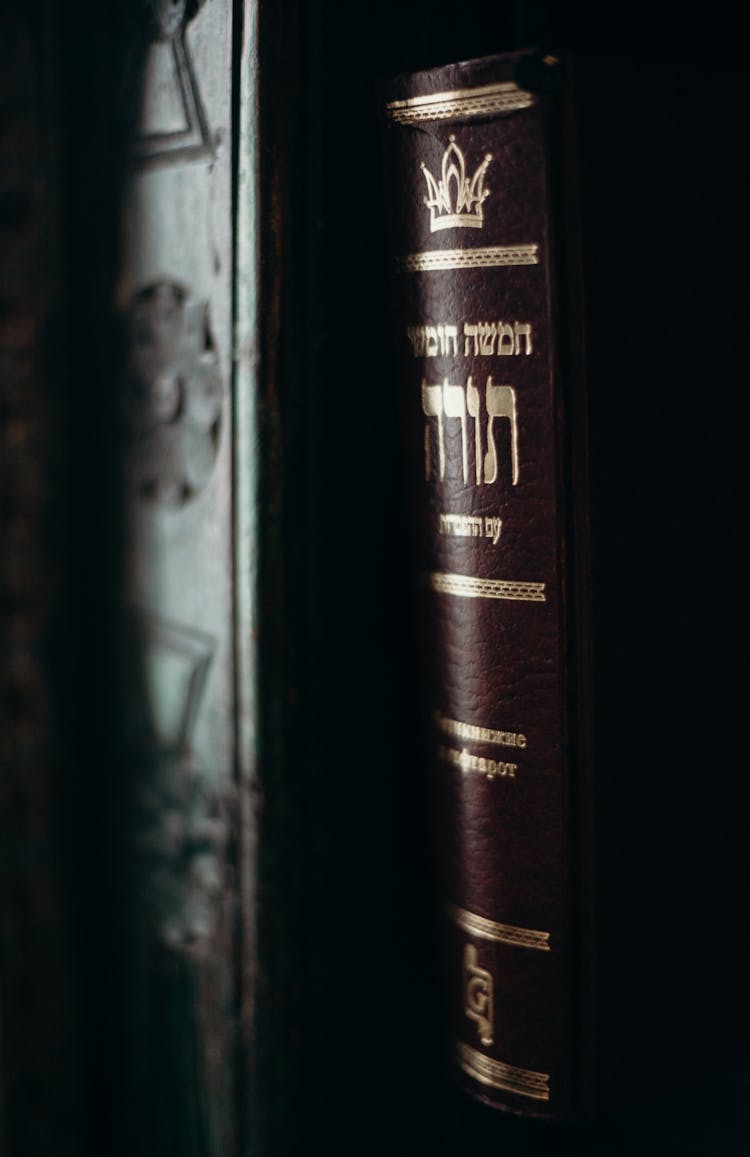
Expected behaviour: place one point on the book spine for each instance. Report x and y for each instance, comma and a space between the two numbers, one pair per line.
468, 186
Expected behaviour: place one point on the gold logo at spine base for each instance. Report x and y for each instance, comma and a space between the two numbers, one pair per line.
455, 202
485, 929
498, 1075
478, 995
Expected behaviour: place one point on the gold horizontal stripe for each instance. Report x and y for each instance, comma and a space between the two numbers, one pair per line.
468, 587
468, 102
501, 933
496, 1074
490, 257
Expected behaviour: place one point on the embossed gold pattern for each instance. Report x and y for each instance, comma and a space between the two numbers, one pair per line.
481, 257
468, 587
498, 1075
455, 201
486, 929
484, 100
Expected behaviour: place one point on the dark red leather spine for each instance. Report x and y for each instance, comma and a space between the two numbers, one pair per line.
467, 183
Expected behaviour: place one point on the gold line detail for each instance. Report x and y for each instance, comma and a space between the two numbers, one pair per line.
489, 257
501, 933
468, 587
468, 102
496, 1074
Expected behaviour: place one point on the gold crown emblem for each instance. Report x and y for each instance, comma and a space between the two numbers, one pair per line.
459, 207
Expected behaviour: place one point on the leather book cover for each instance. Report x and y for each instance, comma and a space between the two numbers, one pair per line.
558, 242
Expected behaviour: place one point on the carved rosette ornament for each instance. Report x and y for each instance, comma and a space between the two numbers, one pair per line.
182, 838
173, 395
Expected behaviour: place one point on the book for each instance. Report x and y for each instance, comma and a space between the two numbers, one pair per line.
559, 240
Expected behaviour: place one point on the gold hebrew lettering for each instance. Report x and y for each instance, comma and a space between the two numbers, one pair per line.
492, 528
487, 335
470, 331
454, 406
432, 406
472, 405
451, 336
501, 403
505, 345
523, 329
417, 337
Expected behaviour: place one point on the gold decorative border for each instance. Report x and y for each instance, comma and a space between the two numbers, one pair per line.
488, 257
501, 933
458, 105
468, 587
496, 1074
